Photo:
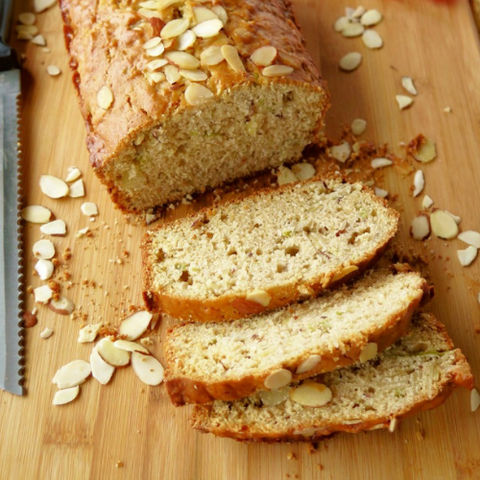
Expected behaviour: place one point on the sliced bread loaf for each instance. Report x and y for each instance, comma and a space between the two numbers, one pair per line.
416, 374
231, 360
264, 251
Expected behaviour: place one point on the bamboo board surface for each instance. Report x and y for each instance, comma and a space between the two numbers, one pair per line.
434, 42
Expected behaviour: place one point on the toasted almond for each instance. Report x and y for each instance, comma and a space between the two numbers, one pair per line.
41, 5
197, 94
381, 162
352, 29
304, 171
202, 14
53, 70
44, 249
259, 296
278, 379
57, 228
62, 306
467, 256
221, 13
130, 346
274, 397
340, 152
186, 40
53, 187
89, 333
277, 71
427, 202
147, 368
156, 64
230, 54
212, 56
285, 175
420, 227
101, 370
264, 56
42, 294
174, 28
372, 39
311, 394
443, 225
27, 18
66, 395
89, 209
380, 192
39, 40
470, 237
418, 183
208, 29
172, 74
36, 214
104, 98
194, 75
111, 354
474, 400
407, 84
72, 374
344, 272
340, 24
308, 364
135, 325
371, 17
46, 333
426, 151
403, 101
183, 60
44, 268
350, 61
358, 126
368, 352
73, 173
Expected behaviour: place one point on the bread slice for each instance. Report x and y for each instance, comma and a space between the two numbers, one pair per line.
231, 360
416, 374
265, 251
190, 120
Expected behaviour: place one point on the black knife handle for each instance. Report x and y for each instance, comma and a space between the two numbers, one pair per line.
8, 56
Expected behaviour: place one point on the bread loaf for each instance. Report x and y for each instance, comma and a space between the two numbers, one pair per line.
179, 95
231, 360
265, 251
416, 374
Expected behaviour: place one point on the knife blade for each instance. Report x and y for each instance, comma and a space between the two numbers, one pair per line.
11, 340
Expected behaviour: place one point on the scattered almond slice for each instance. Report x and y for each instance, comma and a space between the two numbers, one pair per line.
66, 395
427, 202
77, 189
467, 256
418, 183
358, 127
372, 39
72, 374
105, 98
73, 173
277, 71
193, 75
135, 325
259, 296
111, 354
27, 18
44, 249
44, 268
304, 171
340, 152
147, 342
371, 17
447, 109
403, 101
183, 60
274, 397
202, 14
380, 192
82, 232
368, 352
426, 151
53, 70
62, 306
46, 333
36, 214
285, 175
407, 84
233, 59
23, 35
381, 162
443, 225
131, 346
340, 24
53, 187
186, 40
153, 42
89, 333
42, 294
56, 228
27, 29
208, 29
310, 363
278, 378
89, 209
350, 61
221, 13
353, 30
147, 368
457, 219
174, 28
101, 370
470, 237
311, 394
39, 40
420, 227
156, 64
172, 74
212, 56
197, 94
157, 50
264, 56
41, 5
474, 400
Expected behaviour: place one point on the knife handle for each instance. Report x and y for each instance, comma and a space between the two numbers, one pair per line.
8, 56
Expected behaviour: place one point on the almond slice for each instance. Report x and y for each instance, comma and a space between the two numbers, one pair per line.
89, 209
157, 50
403, 101
196, 94
470, 237
285, 175
72, 374
474, 400
208, 29
62, 306
147, 368
311, 394
183, 60
41, 5
111, 354
264, 56
163, 4
212, 56
172, 74
174, 28
407, 84
381, 162
53, 187
44, 249
230, 54
368, 352
372, 39
274, 397
309, 364
156, 64
77, 189
104, 98
418, 183
467, 256
42, 294
82, 232
89, 333
420, 227
53, 70
304, 171
131, 346
380, 192
350, 61
344, 272
44, 268
46, 333
277, 71
153, 42
340, 24
57, 228
278, 379
101, 370
39, 40
427, 202
66, 395
426, 151
443, 225
259, 296
457, 219
194, 75
371, 17
73, 173
27, 29
135, 325
202, 14
358, 127
221, 13
27, 18
36, 214
340, 152
186, 40
353, 29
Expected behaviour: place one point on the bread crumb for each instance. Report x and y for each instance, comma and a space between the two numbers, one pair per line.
291, 456
119, 464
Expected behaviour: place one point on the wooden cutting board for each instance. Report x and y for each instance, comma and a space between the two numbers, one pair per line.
129, 431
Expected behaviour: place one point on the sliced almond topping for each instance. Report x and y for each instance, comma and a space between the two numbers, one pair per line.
111, 354
172, 74
135, 325
285, 175
344, 272
407, 84
131, 346
147, 368
155, 77
221, 13
157, 50
420, 227
46, 333
193, 75
230, 54
153, 42
372, 39
380, 192
53, 187
174, 28
39, 40
353, 30
44, 249
368, 352
101, 370
340, 24
212, 56
53, 70
42, 294
309, 364
426, 151
392, 425
62, 306
28, 29
467, 256
304, 171
259, 296
359, 126
57, 227
22, 35
156, 64
27, 18
73, 173
340, 152
41, 5
264, 56
89, 209
474, 400
371, 17
77, 189
427, 202
44, 268
403, 101
358, 12
197, 94
186, 40
36, 214
418, 183
202, 14
457, 219
381, 162
208, 29
350, 61
274, 397
311, 394
183, 60
89, 333
148, 14
72, 374
443, 225
163, 4
470, 237
278, 379
66, 395
277, 71
104, 98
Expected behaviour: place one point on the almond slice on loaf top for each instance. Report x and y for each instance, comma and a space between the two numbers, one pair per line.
231, 360
265, 251
417, 373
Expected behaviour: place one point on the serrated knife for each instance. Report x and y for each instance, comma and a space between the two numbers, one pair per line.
10, 244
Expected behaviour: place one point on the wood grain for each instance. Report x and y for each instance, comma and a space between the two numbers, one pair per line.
434, 42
